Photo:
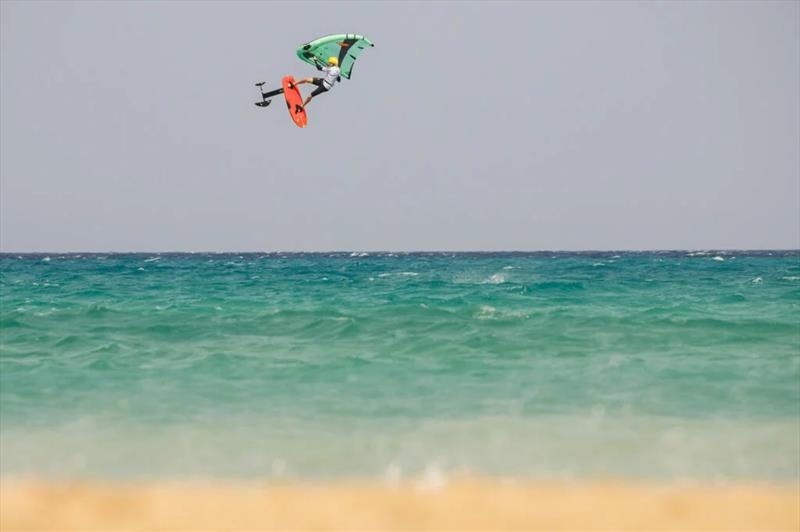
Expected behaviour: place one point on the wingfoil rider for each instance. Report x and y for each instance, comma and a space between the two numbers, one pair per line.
324, 84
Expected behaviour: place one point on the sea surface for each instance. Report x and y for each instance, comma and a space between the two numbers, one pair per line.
651, 365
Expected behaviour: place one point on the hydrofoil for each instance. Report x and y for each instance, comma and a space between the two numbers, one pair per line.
294, 100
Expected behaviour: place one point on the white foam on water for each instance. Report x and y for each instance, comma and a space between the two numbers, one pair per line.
393, 474
497, 278
600, 443
486, 312
432, 479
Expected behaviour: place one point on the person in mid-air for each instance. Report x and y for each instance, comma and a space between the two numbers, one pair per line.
324, 84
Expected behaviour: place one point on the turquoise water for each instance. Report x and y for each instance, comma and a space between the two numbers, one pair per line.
620, 364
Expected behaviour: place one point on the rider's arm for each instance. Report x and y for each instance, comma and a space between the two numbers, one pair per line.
317, 63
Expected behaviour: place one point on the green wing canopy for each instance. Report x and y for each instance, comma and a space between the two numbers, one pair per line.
346, 46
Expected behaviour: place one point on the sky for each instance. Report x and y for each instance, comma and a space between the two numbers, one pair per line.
130, 126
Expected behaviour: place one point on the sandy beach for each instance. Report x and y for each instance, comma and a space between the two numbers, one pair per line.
467, 504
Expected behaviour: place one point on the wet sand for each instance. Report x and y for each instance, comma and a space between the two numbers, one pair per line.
466, 504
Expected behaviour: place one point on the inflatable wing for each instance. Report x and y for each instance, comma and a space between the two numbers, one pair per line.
347, 47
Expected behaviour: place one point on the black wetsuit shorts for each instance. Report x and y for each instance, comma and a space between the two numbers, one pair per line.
320, 86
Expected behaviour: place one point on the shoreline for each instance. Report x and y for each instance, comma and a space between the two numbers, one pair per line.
459, 504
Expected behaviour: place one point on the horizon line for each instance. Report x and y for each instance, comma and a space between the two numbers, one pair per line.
339, 251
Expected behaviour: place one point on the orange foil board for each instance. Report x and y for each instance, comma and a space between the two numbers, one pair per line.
294, 101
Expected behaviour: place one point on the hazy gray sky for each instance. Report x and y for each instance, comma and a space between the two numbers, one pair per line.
469, 126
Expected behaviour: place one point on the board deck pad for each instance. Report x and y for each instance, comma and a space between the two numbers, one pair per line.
294, 101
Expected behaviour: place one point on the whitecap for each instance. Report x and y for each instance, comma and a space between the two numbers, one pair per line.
487, 312
758, 280
718, 258
152, 259
497, 278
46, 259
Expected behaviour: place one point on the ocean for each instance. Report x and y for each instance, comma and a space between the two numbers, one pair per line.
638, 365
